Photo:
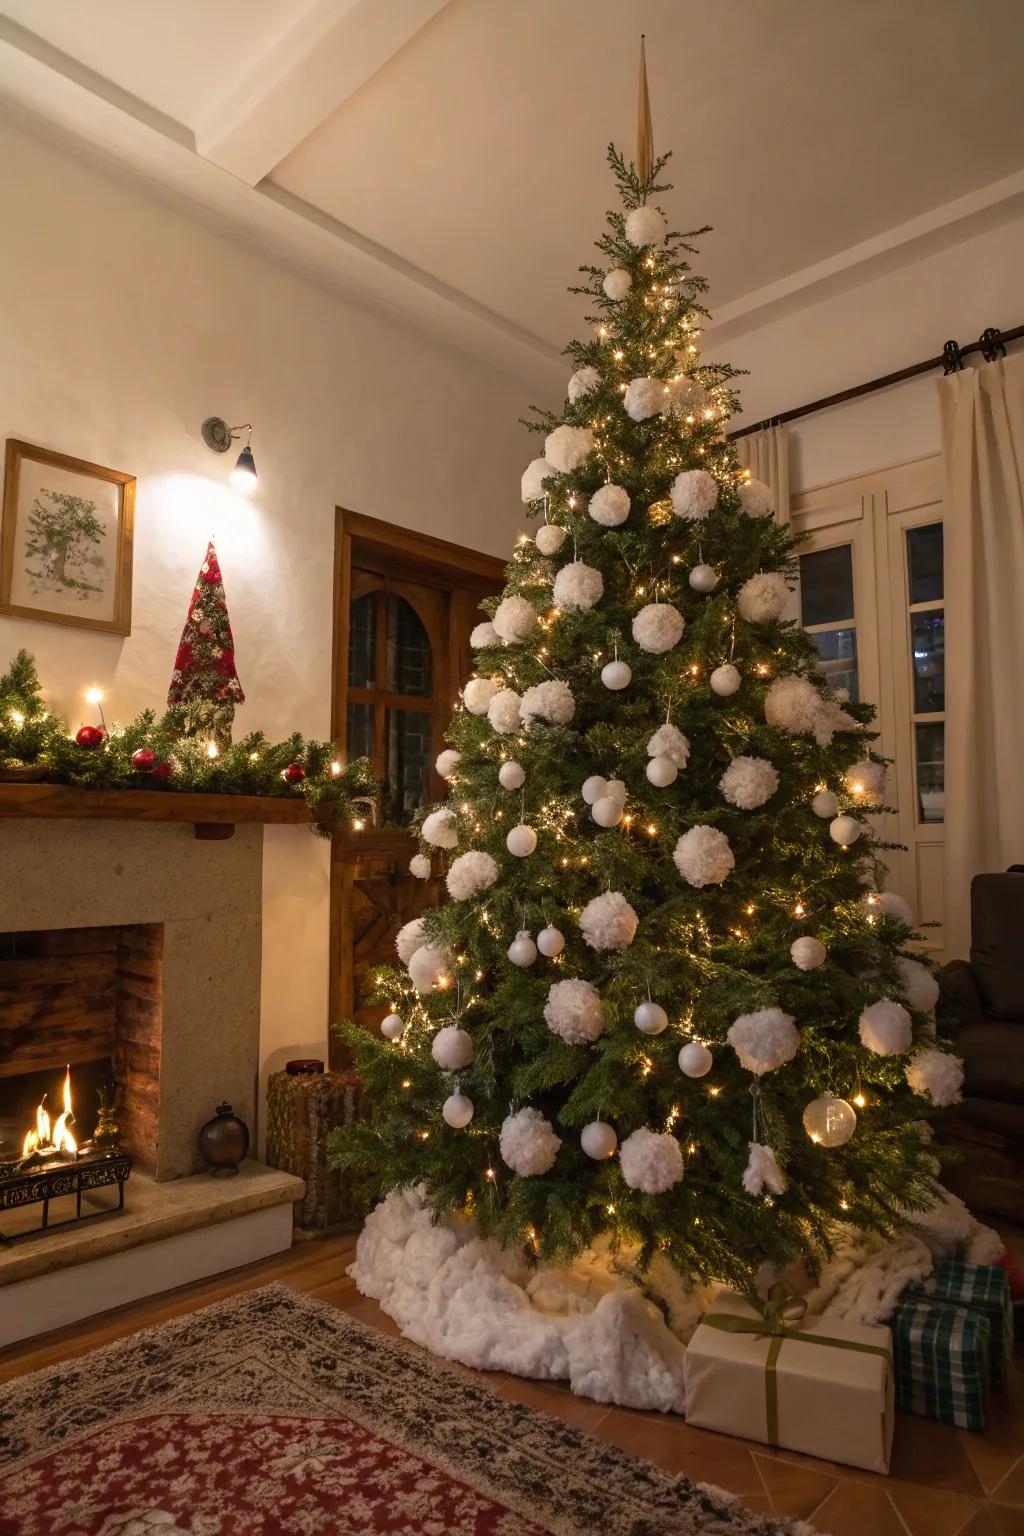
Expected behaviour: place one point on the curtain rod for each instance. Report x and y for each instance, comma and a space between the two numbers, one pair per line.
992, 343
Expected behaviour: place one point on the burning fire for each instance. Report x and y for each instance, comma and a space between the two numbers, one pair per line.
48, 1137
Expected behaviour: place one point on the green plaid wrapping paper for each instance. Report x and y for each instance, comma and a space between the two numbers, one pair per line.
941, 1361
985, 1288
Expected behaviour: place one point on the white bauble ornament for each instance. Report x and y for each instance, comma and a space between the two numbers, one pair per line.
825, 804
482, 635
419, 867
583, 382
695, 1060
694, 493
617, 284
521, 841
616, 675
512, 775
703, 856
704, 578
764, 1040
607, 811
551, 701
598, 1140
669, 741
550, 538
408, 939
936, 1075
393, 1027
609, 506
515, 619
844, 830
763, 597
550, 942
566, 448
522, 951
917, 984
452, 1048
447, 762
650, 1018
756, 499
658, 627
885, 1028
574, 1011
748, 782
762, 1171
829, 1121
528, 1143
577, 586
457, 1111
662, 771
534, 475
725, 680
892, 905
651, 1161
645, 226
866, 780
807, 953
470, 874
503, 712
608, 922
439, 829
479, 692
427, 966
594, 788
644, 398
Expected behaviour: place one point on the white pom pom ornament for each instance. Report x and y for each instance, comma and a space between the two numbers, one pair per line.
439, 829
725, 680
650, 1018
522, 951
479, 692
756, 499
408, 939
825, 805
703, 856
763, 597
577, 586
763, 1172
917, 984
830, 1122
808, 954
608, 922
764, 1040
885, 1028
483, 634
936, 1075
748, 782
427, 966
658, 627
550, 942
845, 830
550, 538
574, 1011
892, 905
503, 712
512, 775
616, 675
452, 1048
583, 382
609, 506
566, 448
550, 701
617, 284
457, 1111
866, 780
393, 1027
534, 475
419, 867
515, 619
694, 493
470, 874
651, 1161
528, 1143
521, 841
447, 762
645, 226
669, 741
598, 1140
703, 579
644, 398
695, 1060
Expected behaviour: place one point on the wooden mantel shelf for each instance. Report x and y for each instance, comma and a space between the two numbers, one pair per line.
213, 816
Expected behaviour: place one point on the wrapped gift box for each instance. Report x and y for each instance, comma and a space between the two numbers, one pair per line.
984, 1288
824, 1386
941, 1357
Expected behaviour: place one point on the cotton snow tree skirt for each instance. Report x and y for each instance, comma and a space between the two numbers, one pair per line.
612, 1334
272, 1414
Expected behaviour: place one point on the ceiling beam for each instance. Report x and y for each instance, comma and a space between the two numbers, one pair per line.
320, 61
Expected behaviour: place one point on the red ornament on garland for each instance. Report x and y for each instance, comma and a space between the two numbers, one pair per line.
162, 770
90, 736
143, 760
293, 774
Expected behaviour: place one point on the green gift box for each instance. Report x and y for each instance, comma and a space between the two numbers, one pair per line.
984, 1288
941, 1361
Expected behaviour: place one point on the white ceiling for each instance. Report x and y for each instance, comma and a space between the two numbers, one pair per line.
449, 154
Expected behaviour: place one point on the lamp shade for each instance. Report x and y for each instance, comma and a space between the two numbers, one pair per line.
243, 476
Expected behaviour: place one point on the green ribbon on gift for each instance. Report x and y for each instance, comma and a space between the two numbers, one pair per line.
781, 1316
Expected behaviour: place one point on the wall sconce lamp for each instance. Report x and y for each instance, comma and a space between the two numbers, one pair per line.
219, 436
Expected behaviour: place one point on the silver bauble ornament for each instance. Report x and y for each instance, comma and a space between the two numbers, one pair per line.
457, 1110
598, 1140
725, 680
550, 942
607, 811
662, 771
650, 1018
512, 775
521, 841
704, 578
522, 950
844, 830
825, 804
830, 1122
616, 675
695, 1060
392, 1028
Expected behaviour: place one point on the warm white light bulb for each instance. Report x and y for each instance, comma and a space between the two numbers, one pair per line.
211, 750
94, 695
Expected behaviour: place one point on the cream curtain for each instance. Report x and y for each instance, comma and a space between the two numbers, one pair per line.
983, 447
766, 455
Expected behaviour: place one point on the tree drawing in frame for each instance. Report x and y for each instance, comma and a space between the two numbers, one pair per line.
63, 537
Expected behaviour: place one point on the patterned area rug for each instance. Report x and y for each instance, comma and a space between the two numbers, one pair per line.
272, 1414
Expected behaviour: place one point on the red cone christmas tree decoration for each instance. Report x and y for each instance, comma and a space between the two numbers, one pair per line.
205, 685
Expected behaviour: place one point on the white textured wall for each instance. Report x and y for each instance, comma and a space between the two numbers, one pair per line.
123, 325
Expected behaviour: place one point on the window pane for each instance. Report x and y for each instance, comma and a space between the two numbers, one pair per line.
408, 650
931, 770
928, 643
924, 563
362, 642
838, 651
826, 585
408, 764
359, 731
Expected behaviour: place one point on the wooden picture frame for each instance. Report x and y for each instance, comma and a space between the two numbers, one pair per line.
66, 540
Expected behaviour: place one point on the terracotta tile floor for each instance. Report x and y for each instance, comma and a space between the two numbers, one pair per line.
944, 1482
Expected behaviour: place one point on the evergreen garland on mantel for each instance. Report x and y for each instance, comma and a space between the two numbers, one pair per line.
175, 761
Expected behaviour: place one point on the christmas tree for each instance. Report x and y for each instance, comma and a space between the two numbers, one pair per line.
205, 686
668, 1000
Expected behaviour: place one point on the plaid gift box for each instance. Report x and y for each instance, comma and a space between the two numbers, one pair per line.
985, 1288
941, 1359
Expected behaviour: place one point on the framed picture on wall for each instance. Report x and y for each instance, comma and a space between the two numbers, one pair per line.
66, 540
